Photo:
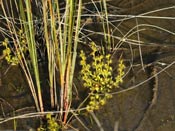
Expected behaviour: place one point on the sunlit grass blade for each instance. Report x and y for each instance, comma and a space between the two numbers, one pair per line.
29, 29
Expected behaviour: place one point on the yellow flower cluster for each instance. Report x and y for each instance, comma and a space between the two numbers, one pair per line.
51, 124
97, 76
22, 41
8, 51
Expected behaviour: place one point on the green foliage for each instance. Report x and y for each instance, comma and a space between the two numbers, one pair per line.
51, 124
97, 76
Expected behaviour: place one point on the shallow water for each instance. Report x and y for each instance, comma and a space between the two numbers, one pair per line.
130, 108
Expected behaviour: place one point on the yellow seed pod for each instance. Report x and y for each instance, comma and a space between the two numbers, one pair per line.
92, 103
97, 96
96, 107
102, 101
48, 116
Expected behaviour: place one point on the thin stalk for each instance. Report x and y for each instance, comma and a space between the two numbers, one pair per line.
106, 27
71, 63
32, 51
70, 26
76, 39
51, 58
24, 63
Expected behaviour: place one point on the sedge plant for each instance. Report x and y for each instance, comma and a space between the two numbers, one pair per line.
61, 36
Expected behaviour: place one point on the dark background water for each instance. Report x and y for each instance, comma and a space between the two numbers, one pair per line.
130, 107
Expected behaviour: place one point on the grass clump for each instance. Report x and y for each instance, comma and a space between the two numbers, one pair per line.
97, 77
60, 38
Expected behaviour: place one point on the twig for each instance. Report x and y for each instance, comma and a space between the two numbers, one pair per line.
141, 83
140, 49
116, 126
97, 121
2, 56
81, 122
